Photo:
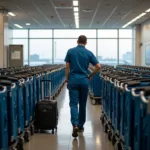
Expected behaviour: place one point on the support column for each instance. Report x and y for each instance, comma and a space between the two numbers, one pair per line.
4, 39
137, 48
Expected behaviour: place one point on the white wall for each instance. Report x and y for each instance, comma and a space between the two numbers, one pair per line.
145, 40
4, 40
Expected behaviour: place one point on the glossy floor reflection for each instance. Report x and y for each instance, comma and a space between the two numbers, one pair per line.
92, 139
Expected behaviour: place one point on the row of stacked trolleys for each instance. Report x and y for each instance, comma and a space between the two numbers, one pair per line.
20, 90
125, 97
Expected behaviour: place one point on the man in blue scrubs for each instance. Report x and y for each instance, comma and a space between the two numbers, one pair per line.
77, 78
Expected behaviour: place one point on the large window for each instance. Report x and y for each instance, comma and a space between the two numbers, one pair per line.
23, 42
125, 51
20, 33
40, 34
125, 33
107, 51
61, 46
107, 33
74, 33
40, 51
46, 46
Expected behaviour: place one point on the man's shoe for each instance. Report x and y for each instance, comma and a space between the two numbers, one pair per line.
81, 130
75, 131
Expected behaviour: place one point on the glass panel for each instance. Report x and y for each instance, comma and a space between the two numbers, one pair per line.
125, 51
107, 34
107, 51
20, 33
23, 42
40, 33
125, 33
40, 51
74, 33
63, 45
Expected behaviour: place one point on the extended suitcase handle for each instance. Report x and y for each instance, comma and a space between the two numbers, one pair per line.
50, 81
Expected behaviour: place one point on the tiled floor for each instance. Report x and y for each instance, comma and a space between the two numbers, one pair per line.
92, 139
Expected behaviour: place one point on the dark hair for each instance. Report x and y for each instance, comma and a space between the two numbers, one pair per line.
82, 39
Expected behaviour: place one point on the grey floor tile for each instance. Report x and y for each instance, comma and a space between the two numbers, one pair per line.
93, 137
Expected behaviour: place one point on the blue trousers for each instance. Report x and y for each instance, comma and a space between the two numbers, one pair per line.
78, 95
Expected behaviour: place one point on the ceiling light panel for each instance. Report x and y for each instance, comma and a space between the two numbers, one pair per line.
11, 14
28, 24
17, 25
133, 20
75, 3
76, 14
148, 10
76, 9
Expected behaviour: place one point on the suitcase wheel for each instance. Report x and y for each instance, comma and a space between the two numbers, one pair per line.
52, 131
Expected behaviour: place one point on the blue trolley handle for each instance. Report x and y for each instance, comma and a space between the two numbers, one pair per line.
4, 89
50, 82
147, 101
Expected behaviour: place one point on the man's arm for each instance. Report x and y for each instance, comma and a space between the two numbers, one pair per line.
97, 69
67, 70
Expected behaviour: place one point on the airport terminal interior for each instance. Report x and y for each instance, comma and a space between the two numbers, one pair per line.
35, 36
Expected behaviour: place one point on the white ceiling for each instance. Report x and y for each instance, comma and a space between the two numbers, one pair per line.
105, 14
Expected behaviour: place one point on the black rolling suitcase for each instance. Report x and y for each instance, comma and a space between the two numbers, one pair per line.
46, 113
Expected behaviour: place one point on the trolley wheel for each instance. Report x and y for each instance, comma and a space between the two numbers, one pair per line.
102, 116
26, 136
32, 130
105, 128
20, 144
113, 140
118, 146
93, 101
109, 135
52, 131
102, 119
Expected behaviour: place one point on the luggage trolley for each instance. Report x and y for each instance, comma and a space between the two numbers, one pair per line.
138, 117
20, 109
11, 103
3, 118
145, 114
128, 125
31, 104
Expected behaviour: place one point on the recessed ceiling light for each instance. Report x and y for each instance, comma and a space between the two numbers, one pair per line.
148, 10
87, 10
28, 24
76, 8
17, 25
11, 14
75, 3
